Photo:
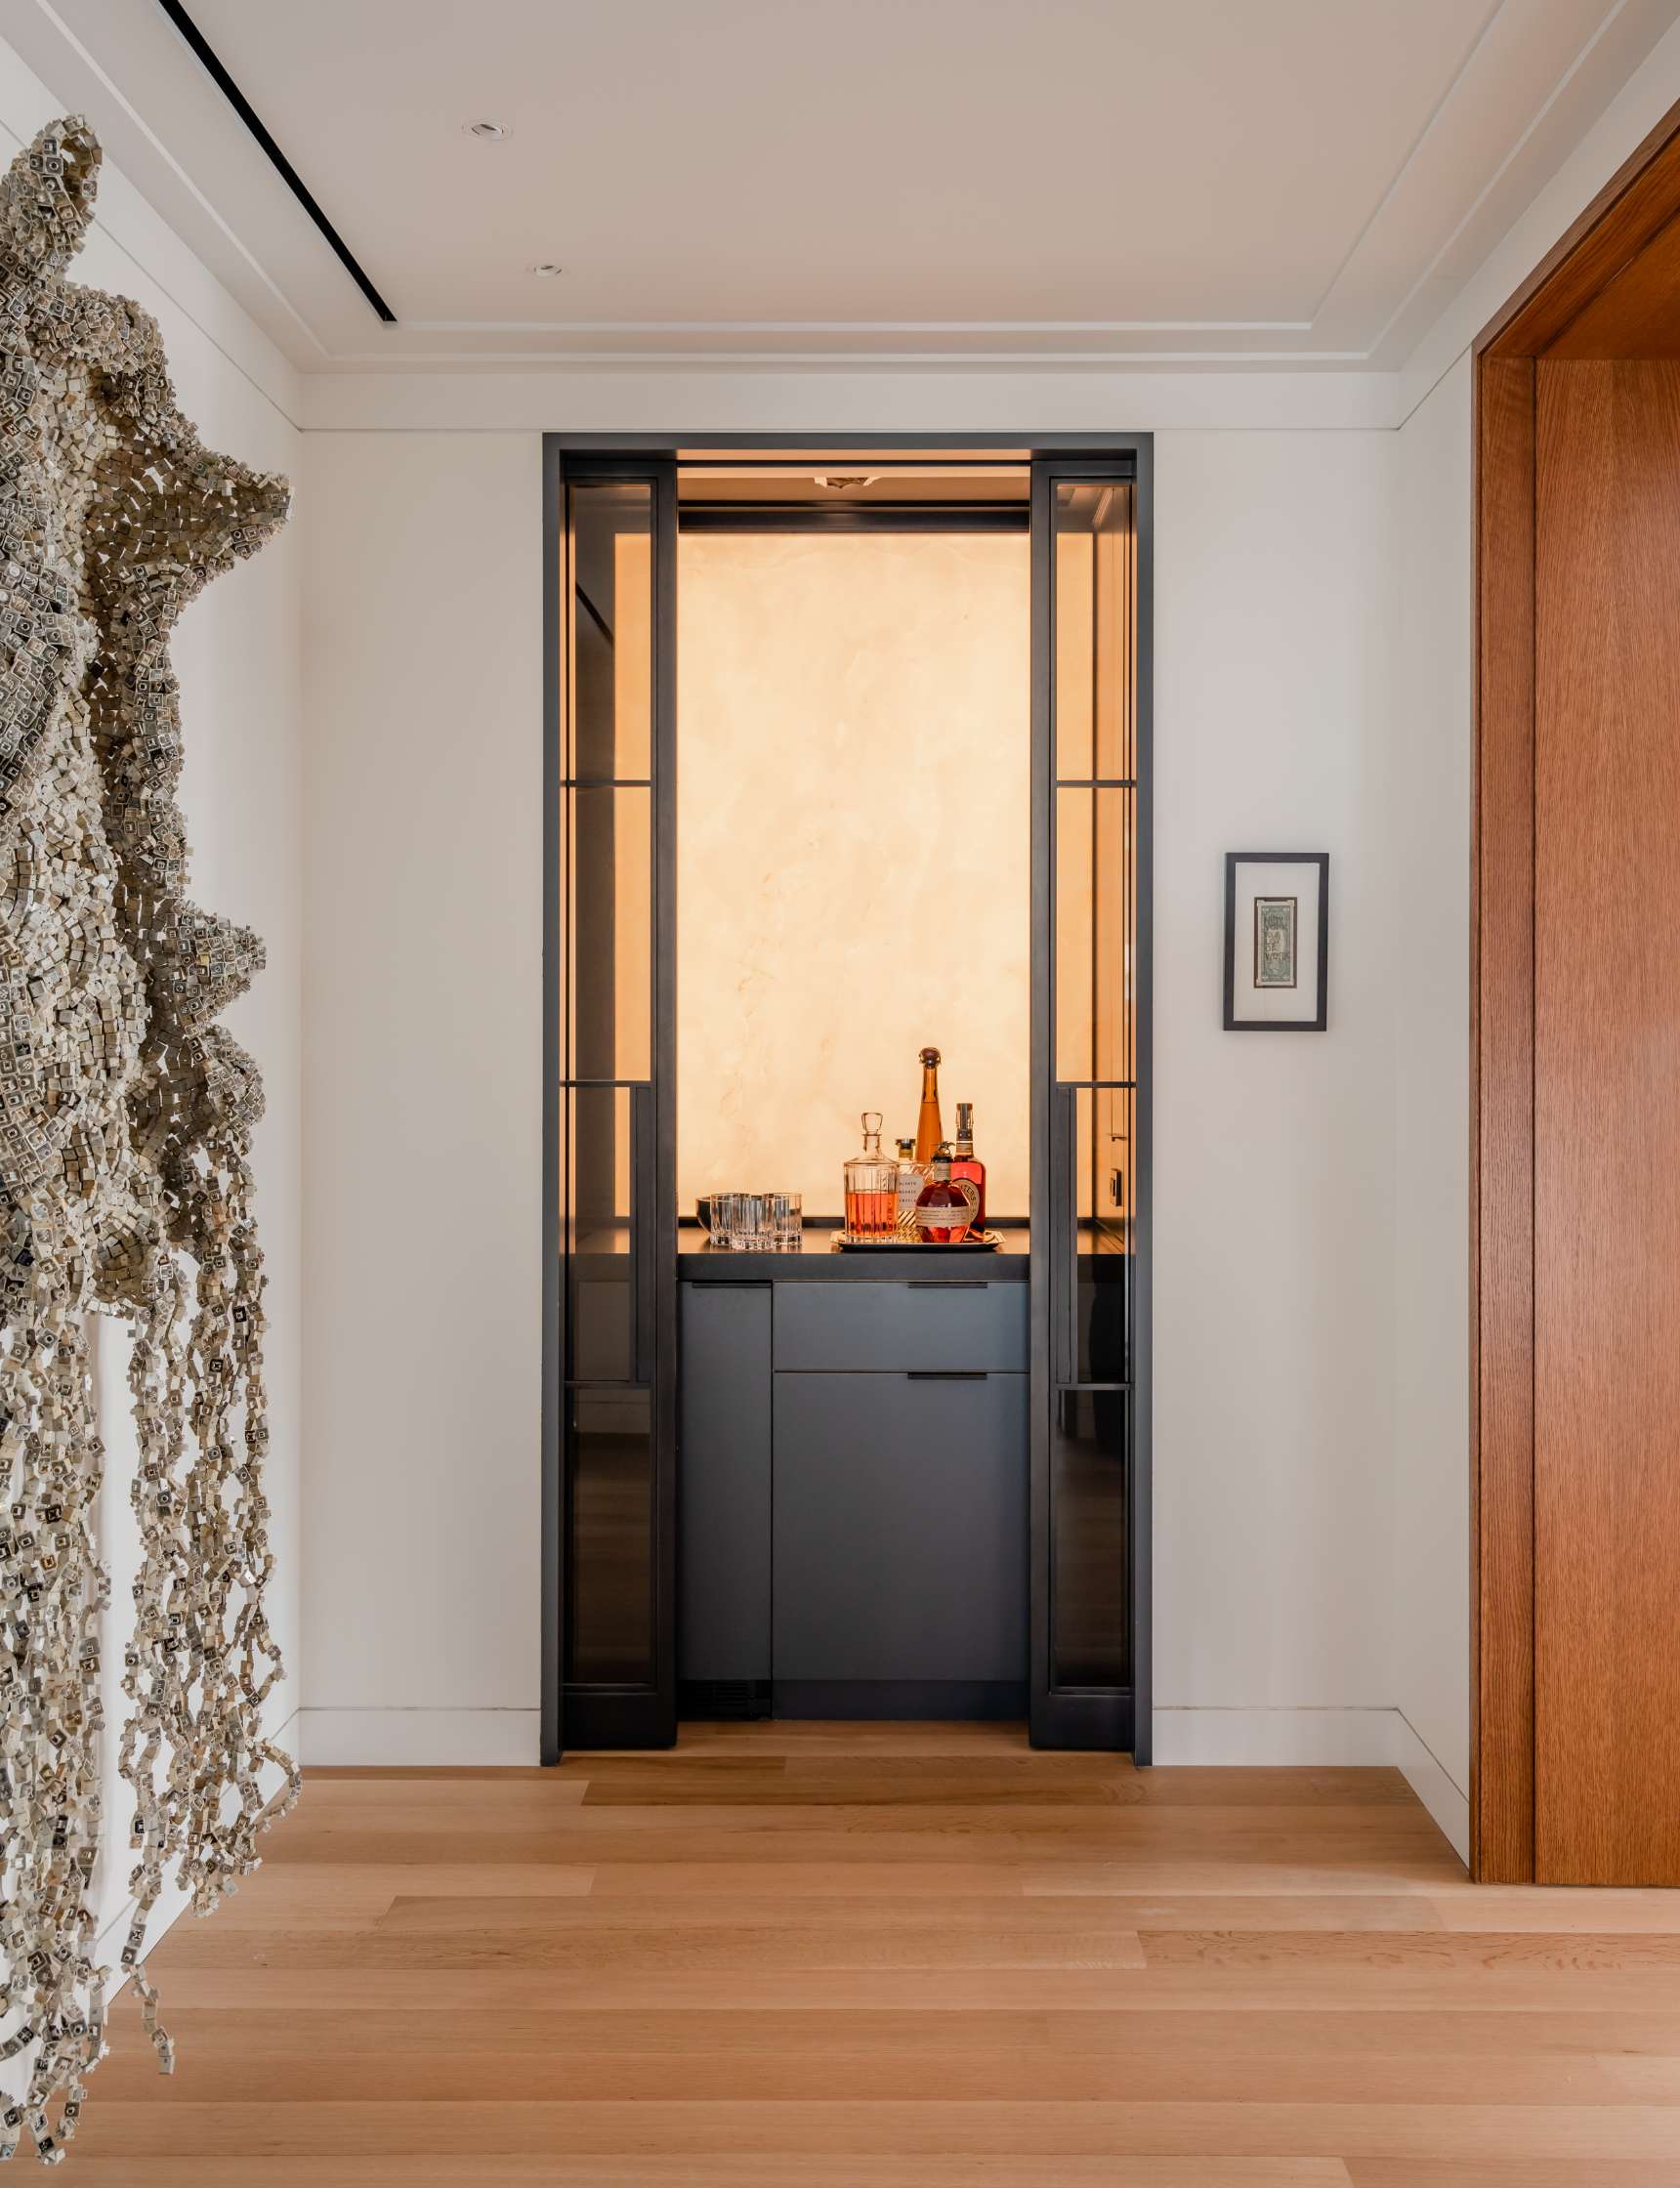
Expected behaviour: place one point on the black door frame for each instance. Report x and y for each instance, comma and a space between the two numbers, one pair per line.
594, 453
1094, 1717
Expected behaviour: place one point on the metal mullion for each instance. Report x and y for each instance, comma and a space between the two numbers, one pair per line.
1138, 1306
662, 1245
1042, 1267
556, 1016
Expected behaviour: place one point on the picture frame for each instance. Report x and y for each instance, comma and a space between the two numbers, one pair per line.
1276, 941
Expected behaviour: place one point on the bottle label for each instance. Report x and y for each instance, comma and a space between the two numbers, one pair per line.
953, 1216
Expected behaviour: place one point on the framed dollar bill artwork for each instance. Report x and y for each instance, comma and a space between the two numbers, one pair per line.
1277, 941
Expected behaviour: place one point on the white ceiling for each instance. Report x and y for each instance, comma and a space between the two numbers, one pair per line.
1088, 181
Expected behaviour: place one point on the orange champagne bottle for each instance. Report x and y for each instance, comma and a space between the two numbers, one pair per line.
930, 1132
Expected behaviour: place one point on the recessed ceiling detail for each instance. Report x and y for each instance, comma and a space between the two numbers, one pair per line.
205, 55
1056, 184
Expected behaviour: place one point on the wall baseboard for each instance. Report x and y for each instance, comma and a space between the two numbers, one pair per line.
1274, 1736
417, 1738
1362, 1738
384, 1738
1428, 1779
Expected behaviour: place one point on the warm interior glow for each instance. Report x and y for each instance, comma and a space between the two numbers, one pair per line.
853, 851
632, 867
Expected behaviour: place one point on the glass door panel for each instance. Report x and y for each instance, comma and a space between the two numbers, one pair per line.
1085, 1237
618, 1216
1090, 1642
1102, 1236
611, 1620
609, 716
610, 944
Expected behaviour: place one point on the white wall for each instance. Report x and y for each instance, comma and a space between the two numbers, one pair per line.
423, 948
236, 655
1429, 804
1274, 1196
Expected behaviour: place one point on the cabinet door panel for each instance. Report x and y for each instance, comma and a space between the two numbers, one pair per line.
723, 1498
901, 1528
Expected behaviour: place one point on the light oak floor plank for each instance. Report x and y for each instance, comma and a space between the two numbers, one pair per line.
1041, 1990
893, 1956
1144, 2074
890, 2127
971, 2171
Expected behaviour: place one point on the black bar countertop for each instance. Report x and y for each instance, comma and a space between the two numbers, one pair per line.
699, 1260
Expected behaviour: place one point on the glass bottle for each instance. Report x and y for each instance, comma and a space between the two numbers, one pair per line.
913, 1176
963, 1162
928, 1130
943, 1208
872, 1187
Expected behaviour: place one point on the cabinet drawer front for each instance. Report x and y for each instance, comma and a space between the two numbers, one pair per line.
899, 1528
927, 1323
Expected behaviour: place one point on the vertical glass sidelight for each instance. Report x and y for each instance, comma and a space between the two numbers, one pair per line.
609, 559
610, 1621
613, 898
1086, 1233
609, 939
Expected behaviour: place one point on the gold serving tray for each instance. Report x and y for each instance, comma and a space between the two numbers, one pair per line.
977, 1241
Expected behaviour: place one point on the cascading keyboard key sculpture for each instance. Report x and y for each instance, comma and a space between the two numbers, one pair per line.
125, 1182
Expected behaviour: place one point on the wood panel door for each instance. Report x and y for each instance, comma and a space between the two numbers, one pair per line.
1607, 1123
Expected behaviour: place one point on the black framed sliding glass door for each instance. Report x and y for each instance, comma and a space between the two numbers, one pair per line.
609, 1299
1090, 1033
611, 1262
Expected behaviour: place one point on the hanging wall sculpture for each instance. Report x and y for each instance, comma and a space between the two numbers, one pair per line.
125, 1185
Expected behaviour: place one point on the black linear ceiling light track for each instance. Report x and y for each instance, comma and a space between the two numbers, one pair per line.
283, 167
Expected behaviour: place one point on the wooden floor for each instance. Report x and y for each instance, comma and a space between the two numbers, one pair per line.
906, 1958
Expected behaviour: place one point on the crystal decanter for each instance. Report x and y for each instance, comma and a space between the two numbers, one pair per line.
872, 1187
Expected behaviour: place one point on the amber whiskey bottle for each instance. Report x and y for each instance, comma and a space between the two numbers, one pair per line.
964, 1164
943, 1210
930, 1132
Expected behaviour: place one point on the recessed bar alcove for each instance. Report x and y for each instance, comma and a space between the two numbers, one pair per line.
848, 758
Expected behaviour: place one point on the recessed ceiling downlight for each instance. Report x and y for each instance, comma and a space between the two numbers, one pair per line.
489, 129
547, 268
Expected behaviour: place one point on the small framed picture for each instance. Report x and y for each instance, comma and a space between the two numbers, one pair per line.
1277, 941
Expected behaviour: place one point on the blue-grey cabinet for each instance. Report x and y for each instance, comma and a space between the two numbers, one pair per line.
852, 1496
922, 1323
900, 1543
724, 1484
